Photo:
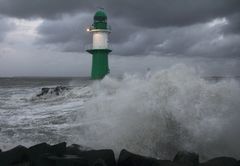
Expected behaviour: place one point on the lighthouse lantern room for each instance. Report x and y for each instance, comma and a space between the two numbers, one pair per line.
100, 47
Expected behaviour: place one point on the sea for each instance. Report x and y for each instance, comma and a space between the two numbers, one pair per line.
154, 114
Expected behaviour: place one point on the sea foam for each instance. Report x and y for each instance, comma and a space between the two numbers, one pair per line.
162, 112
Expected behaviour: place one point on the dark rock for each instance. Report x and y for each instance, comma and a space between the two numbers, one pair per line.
44, 91
58, 149
36, 152
186, 158
27, 163
76, 155
221, 161
130, 159
94, 157
103, 157
73, 149
76, 149
59, 89
56, 91
67, 160
14, 156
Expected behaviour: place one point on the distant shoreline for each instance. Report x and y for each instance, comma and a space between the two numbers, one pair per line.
88, 77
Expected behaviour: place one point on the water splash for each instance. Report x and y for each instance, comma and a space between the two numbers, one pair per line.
162, 112
155, 114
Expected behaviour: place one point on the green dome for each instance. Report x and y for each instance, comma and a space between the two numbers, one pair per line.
100, 16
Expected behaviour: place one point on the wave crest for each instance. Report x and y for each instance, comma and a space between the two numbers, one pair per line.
162, 112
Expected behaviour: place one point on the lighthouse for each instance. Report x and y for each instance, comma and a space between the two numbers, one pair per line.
100, 47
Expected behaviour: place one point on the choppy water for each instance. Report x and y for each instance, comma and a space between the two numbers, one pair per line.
154, 114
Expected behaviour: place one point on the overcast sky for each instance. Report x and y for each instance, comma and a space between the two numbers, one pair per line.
49, 38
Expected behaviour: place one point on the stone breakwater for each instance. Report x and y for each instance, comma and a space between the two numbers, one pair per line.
53, 91
76, 155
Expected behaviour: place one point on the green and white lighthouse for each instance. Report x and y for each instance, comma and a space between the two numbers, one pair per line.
100, 47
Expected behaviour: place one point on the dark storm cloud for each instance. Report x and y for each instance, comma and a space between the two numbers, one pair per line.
200, 40
233, 25
157, 13
41, 8
69, 34
154, 13
159, 27
203, 39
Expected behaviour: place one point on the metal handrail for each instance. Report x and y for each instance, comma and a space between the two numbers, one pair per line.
92, 28
90, 47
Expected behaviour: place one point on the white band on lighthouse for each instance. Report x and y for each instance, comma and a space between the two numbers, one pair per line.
100, 40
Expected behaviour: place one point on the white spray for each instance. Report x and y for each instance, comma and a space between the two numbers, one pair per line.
163, 112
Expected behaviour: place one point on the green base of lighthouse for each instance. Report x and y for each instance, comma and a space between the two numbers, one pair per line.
100, 66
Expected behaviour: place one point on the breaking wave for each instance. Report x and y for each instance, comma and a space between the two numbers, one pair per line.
161, 113
154, 114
